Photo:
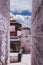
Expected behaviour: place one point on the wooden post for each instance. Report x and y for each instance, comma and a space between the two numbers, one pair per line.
4, 32
37, 33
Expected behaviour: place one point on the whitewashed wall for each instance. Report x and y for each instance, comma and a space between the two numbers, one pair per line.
25, 39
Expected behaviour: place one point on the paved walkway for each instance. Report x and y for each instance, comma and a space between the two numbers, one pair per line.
26, 60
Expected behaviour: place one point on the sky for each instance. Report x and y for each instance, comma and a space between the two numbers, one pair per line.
21, 4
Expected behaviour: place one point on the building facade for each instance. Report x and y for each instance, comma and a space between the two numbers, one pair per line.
26, 39
15, 40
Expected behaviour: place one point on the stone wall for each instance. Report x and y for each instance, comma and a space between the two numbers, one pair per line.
37, 32
4, 32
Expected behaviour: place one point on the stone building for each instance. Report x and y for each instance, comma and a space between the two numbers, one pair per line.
15, 40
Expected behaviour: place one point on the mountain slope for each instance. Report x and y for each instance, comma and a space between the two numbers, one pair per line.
23, 12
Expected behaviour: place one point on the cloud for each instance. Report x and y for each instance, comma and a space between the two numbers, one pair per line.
25, 21
21, 4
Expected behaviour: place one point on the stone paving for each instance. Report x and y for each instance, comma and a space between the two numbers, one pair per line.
26, 60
